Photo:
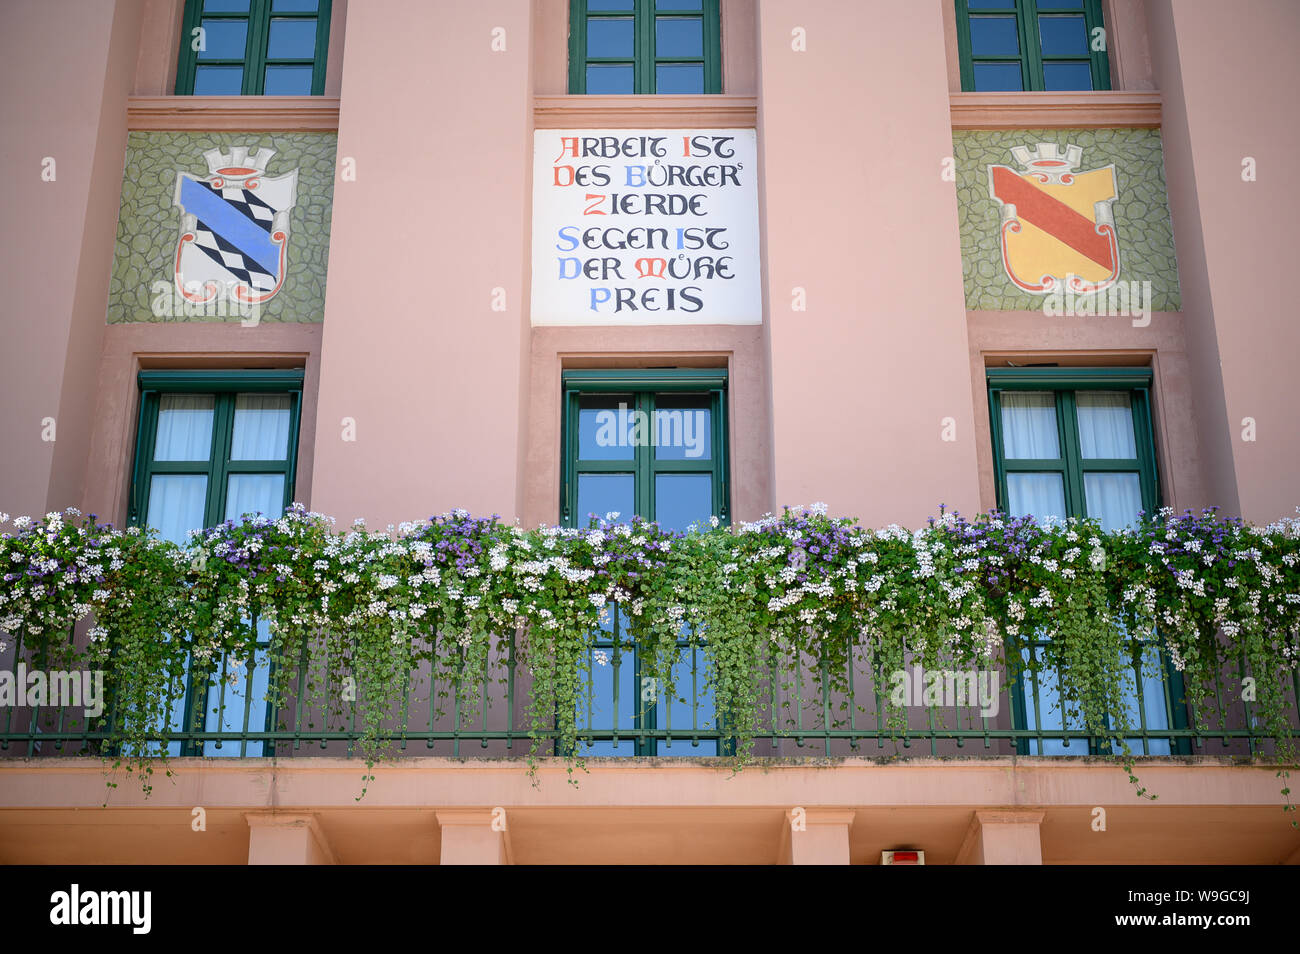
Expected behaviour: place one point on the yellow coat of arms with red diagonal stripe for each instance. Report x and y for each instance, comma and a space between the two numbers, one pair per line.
1057, 228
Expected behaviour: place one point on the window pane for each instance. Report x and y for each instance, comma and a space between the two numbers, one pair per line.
691, 706
1106, 425
598, 711
261, 427
997, 77
1048, 715
677, 36
1152, 703
1060, 4
292, 40
1029, 426
218, 80
610, 37
227, 700
225, 6
1063, 36
991, 4
1114, 499
994, 36
679, 78
288, 81
176, 505
605, 493
678, 4
184, 427
223, 40
610, 79
618, 6
1067, 76
683, 499
294, 6
255, 493
681, 428
607, 427
1038, 495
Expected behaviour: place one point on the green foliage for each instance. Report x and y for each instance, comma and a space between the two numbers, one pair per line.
349, 616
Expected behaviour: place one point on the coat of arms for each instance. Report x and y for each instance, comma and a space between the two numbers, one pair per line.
1057, 228
234, 228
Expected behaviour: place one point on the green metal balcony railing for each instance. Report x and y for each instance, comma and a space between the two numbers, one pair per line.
801, 715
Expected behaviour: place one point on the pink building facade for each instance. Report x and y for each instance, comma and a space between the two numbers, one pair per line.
423, 298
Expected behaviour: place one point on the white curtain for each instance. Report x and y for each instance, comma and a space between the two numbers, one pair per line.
1105, 425
1114, 499
261, 427
176, 505
1042, 495
184, 427
1029, 425
255, 493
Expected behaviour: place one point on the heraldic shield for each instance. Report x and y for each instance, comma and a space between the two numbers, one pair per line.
234, 228
1057, 229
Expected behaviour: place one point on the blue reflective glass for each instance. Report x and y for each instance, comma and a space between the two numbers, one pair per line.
1064, 76
994, 36
607, 428
682, 429
679, 36
225, 6
683, 499
679, 78
1049, 715
597, 710
997, 77
605, 493
690, 707
294, 6
662, 5
1063, 36
292, 40
610, 37
610, 6
218, 80
288, 81
610, 79
223, 40
238, 702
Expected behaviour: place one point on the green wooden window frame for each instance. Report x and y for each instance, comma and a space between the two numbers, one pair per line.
642, 386
1030, 58
644, 59
255, 60
1065, 383
225, 386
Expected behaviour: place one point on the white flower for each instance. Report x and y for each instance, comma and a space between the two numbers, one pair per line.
601, 657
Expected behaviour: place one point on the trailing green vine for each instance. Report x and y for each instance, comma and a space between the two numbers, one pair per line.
345, 618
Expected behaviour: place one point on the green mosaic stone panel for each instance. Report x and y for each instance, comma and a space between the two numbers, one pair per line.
148, 224
1141, 210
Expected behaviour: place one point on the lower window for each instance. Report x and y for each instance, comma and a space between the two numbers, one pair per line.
1078, 442
214, 446
650, 444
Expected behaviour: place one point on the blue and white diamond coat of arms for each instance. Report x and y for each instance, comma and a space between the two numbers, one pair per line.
234, 228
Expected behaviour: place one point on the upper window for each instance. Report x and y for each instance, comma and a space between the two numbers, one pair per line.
1032, 45
253, 47
644, 46
650, 444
